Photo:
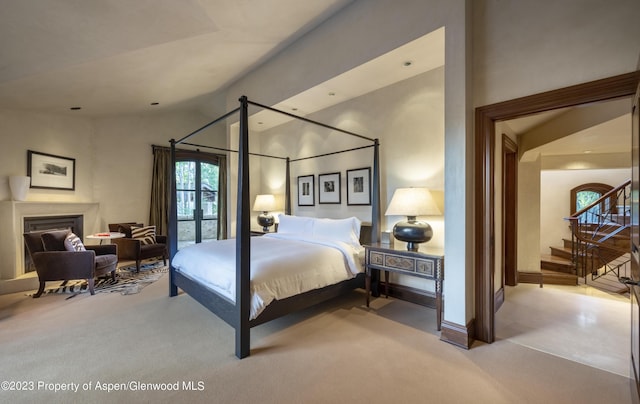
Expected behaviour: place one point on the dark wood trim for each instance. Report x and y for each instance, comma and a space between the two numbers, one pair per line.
509, 212
606, 89
530, 277
456, 334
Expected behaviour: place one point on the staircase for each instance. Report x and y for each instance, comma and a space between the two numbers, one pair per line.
598, 251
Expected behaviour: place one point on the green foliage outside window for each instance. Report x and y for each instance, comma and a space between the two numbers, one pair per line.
186, 189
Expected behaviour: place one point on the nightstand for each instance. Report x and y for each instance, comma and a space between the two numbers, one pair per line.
426, 263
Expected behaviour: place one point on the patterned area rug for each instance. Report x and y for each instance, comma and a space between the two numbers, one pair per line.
127, 281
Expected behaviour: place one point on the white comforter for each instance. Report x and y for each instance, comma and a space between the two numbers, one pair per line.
282, 265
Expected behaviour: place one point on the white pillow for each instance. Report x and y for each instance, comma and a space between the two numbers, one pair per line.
347, 230
295, 224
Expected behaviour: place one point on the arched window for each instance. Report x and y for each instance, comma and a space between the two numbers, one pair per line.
586, 194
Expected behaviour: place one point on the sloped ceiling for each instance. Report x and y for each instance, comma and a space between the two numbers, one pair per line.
118, 56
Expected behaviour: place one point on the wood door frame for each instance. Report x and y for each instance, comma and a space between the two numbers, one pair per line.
485, 119
509, 211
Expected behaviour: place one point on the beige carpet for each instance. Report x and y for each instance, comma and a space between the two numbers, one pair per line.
338, 352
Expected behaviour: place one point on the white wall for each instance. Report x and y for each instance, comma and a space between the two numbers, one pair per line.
52, 134
113, 156
526, 47
555, 188
123, 159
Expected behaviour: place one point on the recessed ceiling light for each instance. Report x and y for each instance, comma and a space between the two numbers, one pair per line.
75, 108
155, 103
294, 109
331, 94
260, 123
587, 151
407, 63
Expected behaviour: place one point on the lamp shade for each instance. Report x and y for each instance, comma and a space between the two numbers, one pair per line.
412, 202
265, 203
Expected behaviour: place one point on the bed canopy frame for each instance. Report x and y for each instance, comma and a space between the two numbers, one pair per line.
236, 313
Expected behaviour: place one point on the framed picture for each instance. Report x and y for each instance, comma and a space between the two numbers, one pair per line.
50, 171
359, 186
306, 187
329, 187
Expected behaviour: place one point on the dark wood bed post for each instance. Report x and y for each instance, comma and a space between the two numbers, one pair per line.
173, 220
243, 241
287, 189
375, 203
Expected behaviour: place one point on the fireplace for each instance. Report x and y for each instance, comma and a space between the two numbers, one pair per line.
12, 220
37, 223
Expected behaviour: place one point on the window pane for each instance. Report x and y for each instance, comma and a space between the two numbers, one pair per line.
209, 187
185, 175
186, 204
586, 198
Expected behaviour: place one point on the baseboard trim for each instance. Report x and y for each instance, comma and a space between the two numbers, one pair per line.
530, 277
458, 335
409, 294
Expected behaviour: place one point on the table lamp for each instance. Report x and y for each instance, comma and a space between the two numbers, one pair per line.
412, 202
265, 204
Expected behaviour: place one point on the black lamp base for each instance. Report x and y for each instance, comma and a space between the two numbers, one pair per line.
413, 232
265, 220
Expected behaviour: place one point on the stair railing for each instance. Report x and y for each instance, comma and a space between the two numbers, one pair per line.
596, 231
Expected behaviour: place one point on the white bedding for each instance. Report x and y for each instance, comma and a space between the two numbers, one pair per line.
282, 265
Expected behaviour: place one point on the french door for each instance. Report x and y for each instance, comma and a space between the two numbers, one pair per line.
197, 180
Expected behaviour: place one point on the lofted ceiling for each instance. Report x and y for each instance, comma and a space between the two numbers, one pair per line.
113, 57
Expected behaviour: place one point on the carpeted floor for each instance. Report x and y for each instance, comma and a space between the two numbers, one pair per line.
337, 352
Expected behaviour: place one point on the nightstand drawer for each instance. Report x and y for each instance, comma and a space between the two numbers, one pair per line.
416, 265
400, 263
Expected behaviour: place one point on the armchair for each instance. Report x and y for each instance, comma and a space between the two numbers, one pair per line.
55, 260
138, 248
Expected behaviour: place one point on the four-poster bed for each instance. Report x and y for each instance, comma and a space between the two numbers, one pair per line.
237, 311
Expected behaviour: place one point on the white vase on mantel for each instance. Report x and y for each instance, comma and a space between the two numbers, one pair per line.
19, 185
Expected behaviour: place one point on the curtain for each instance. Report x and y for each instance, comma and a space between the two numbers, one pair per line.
160, 190
161, 187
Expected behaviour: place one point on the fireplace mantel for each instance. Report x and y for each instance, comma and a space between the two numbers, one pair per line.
12, 214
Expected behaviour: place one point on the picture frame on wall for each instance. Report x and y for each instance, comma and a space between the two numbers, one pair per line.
49, 171
329, 188
306, 189
359, 186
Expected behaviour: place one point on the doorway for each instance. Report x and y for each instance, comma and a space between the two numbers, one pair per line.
485, 119
197, 196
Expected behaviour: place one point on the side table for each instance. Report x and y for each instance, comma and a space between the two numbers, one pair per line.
425, 263
105, 236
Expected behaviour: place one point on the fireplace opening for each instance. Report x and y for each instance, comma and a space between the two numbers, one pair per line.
73, 222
